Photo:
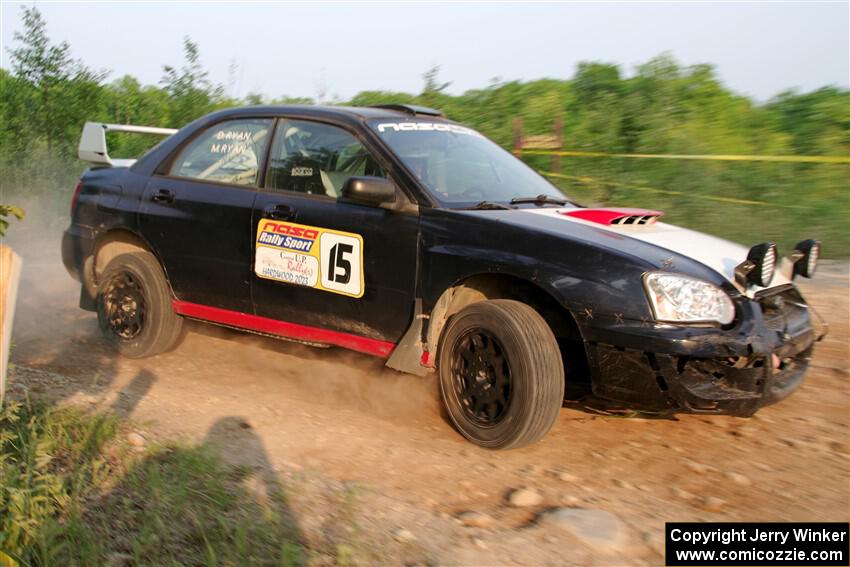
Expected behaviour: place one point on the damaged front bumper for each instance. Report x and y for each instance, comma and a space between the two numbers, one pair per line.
737, 371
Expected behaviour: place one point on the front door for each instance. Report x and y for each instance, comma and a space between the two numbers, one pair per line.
321, 261
198, 216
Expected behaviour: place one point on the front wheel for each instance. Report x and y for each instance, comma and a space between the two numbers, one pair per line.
501, 374
134, 306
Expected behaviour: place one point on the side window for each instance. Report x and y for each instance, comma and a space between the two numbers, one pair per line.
229, 152
315, 158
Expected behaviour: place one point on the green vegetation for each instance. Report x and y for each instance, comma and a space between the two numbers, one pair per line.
73, 493
662, 108
8, 211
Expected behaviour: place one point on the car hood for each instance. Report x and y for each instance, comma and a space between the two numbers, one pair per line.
722, 256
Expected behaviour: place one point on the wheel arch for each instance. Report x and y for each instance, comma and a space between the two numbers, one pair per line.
486, 286
108, 245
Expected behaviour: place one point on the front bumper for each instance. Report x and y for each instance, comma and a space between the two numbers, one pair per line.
733, 372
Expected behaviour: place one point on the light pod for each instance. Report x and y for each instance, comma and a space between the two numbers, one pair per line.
805, 258
759, 267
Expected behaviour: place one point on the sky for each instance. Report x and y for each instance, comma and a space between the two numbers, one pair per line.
300, 49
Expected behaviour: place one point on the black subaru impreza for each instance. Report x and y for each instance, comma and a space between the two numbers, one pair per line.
396, 232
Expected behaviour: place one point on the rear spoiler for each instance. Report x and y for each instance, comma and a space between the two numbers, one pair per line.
93, 141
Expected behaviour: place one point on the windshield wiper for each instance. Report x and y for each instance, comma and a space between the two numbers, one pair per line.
489, 205
541, 200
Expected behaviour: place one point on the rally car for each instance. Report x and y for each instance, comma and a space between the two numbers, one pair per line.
396, 232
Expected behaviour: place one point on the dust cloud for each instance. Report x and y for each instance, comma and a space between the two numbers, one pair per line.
51, 332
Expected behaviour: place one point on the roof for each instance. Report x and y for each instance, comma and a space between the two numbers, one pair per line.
339, 112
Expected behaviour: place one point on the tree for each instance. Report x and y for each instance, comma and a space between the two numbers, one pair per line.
599, 101
322, 88
60, 89
286, 100
432, 81
254, 99
191, 93
15, 101
819, 121
594, 80
126, 101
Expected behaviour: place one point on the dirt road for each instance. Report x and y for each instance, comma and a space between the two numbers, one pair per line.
349, 437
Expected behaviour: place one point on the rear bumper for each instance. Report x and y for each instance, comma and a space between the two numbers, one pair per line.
732, 372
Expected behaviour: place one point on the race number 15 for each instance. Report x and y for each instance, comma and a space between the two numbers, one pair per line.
341, 263
339, 266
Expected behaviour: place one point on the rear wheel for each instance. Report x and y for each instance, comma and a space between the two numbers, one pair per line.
501, 374
134, 306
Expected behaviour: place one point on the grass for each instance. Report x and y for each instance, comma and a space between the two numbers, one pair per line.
73, 492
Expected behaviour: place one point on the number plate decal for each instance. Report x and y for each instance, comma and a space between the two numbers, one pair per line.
311, 256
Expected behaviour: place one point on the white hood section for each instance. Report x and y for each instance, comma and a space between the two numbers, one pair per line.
720, 255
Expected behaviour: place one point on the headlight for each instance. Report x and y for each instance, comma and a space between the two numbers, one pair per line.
682, 299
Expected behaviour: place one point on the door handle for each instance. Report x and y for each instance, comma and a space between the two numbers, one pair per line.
279, 212
163, 196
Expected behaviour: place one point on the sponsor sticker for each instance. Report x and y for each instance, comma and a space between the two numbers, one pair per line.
302, 172
321, 258
426, 127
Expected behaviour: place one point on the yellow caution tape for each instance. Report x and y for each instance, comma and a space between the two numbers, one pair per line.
589, 180
843, 160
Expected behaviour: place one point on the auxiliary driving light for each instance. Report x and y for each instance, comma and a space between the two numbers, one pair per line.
805, 258
759, 266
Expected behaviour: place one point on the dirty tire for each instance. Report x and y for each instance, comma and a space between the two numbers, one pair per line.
134, 306
500, 350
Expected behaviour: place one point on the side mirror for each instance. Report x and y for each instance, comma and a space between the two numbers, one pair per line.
369, 190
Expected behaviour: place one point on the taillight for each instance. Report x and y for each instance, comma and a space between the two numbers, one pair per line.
76, 196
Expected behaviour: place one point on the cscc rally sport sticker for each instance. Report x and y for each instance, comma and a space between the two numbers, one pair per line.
321, 258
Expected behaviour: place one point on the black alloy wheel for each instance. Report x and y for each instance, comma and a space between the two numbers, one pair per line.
501, 373
134, 306
481, 376
124, 305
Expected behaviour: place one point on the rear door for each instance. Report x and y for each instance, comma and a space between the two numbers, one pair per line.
198, 216
321, 261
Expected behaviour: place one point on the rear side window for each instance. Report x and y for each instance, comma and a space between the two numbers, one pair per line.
316, 158
229, 152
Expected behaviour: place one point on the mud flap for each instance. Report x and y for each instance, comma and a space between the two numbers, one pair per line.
87, 302
407, 354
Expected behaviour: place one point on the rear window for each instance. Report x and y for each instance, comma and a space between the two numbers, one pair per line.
229, 152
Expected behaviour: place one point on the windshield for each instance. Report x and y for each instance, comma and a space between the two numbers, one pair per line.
459, 166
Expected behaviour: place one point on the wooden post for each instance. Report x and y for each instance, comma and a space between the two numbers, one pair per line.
517, 125
10, 273
559, 142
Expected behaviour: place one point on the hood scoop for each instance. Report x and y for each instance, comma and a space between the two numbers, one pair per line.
615, 216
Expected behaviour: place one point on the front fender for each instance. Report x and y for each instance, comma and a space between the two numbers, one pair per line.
585, 277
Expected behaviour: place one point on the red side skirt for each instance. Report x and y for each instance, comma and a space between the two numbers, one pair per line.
283, 329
